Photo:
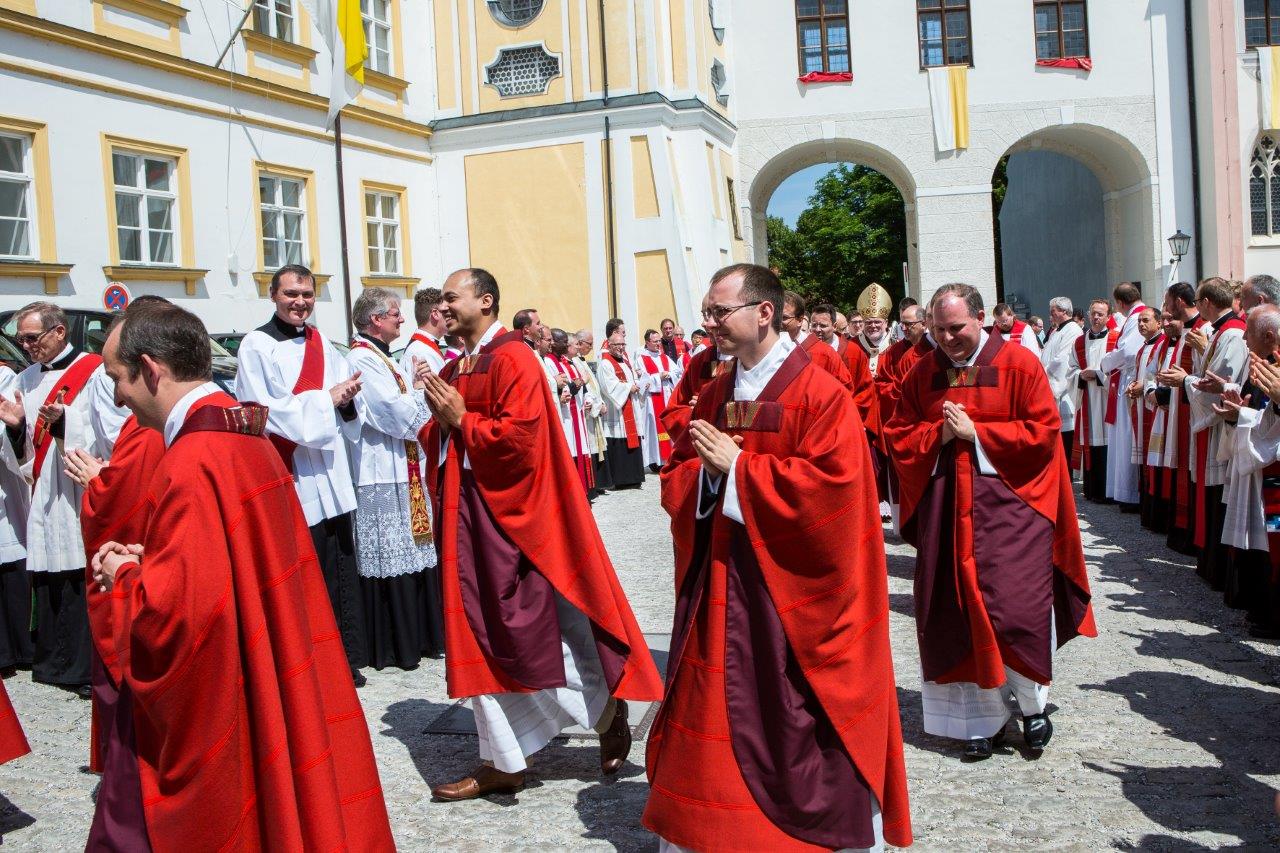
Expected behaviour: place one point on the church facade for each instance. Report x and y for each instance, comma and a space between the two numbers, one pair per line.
605, 157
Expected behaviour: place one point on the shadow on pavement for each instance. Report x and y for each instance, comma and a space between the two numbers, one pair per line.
12, 818
611, 813
1235, 724
407, 721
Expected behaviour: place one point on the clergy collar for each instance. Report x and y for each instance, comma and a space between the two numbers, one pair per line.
385, 349
772, 360
178, 414
282, 331
968, 362
1191, 321
1095, 336
1218, 323
63, 361
490, 333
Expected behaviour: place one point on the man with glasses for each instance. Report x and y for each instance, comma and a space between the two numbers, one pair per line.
1056, 358
1170, 447
309, 390
780, 728
624, 412
895, 364
61, 403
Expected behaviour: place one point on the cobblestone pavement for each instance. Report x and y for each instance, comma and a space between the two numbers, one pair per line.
1166, 736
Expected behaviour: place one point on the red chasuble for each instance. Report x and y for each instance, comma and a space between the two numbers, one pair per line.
864, 388
829, 360
998, 556
895, 364
702, 368
781, 715
249, 733
114, 509
521, 466
13, 741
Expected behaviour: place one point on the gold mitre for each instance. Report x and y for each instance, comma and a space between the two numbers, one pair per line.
874, 303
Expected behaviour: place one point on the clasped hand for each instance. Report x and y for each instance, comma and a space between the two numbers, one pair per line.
107, 562
956, 423
717, 450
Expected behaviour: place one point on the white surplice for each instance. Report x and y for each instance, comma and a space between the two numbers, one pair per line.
1056, 358
593, 400
650, 384
1122, 475
91, 422
748, 384
15, 494
873, 349
1228, 357
1145, 375
270, 360
417, 349
1248, 447
617, 393
1095, 432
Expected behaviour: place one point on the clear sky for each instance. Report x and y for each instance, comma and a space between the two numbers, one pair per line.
792, 196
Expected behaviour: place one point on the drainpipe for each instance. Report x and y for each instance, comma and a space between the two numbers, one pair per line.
611, 231
1196, 208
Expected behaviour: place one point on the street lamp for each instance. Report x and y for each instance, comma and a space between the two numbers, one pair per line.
1180, 245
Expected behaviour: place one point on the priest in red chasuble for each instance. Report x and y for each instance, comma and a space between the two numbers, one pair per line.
1000, 577
538, 632
242, 721
780, 727
794, 312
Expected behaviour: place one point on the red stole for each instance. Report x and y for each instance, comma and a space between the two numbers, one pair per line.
659, 405
423, 339
1202, 443
419, 515
310, 378
628, 413
1080, 456
582, 460
66, 389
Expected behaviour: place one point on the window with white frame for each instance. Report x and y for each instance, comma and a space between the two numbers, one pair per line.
146, 208
382, 231
1264, 188
376, 15
274, 18
280, 201
15, 197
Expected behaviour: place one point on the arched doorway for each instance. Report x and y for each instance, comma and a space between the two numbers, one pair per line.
1077, 216
868, 170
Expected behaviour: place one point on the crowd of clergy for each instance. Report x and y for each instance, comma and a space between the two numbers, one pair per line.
215, 570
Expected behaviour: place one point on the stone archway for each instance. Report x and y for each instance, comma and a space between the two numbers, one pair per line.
769, 176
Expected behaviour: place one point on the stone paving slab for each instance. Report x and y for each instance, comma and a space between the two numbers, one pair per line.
1167, 730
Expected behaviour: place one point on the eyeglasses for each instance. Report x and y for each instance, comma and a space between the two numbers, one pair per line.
29, 340
721, 312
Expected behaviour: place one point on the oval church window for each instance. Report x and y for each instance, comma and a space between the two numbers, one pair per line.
515, 13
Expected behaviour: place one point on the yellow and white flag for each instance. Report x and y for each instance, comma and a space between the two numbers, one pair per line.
342, 30
949, 98
1269, 87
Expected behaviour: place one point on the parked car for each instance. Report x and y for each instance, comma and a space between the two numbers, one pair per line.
87, 330
11, 355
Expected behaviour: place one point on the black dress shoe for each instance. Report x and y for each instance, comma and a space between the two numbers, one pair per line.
358, 679
615, 741
979, 748
85, 691
1037, 729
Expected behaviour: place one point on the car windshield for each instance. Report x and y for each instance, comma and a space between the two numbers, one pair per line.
219, 351
9, 351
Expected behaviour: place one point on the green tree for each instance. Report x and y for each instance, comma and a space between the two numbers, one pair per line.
853, 232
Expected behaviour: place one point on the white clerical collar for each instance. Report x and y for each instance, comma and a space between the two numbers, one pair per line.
492, 332
834, 343
982, 342
928, 337
178, 415
804, 333
65, 352
757, 377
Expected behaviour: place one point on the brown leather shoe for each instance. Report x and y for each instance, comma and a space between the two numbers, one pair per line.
615, 741
485, 780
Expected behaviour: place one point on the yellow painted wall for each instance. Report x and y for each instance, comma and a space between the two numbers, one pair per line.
727, 174
679, 46
716, 207
527, 217
446, 39
466, 11
644, 191
548, 28
618, 44
676, 188
653, 289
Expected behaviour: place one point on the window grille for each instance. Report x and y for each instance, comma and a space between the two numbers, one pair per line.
522, 71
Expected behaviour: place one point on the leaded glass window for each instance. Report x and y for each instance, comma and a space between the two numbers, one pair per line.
1264, 188
522, 71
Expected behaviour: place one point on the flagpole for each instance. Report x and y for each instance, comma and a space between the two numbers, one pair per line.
342, 226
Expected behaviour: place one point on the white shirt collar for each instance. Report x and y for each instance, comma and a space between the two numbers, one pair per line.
804, 333
488, 336
982, 342
178, 415
66, 351
749, 383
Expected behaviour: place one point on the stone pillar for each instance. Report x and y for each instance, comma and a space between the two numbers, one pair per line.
956, 239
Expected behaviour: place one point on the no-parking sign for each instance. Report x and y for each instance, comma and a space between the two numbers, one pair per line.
116, 297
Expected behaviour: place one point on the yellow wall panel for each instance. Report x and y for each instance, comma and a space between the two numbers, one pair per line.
527, 217
732, 202
653, 289
679, 47
446, 39
644, 191
618, 45
467, 11
676, 188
